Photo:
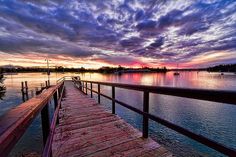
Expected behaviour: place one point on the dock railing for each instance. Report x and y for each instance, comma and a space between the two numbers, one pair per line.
222, 96
15, 122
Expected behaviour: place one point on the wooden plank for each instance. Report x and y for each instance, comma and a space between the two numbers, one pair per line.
86, 124
97, 130
156, 153
78, 143
64, 119
84, 118
124, 148
91, 129
94, 147
87, 129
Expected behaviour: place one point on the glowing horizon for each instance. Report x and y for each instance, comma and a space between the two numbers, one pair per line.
130, 33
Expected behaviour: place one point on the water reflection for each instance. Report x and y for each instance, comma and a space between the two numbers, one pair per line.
214, 120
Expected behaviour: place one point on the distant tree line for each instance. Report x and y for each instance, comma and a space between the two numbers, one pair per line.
104, 69
223, 68
121, 69
118, 69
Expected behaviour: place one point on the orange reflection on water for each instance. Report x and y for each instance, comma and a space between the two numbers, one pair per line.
185, 79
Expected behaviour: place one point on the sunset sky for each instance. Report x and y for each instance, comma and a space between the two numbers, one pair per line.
132, 33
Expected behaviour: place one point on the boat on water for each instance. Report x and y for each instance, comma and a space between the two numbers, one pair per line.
177, 72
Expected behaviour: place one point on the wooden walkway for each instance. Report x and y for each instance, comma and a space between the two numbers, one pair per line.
87, 129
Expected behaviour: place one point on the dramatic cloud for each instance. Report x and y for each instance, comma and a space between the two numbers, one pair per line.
126, 32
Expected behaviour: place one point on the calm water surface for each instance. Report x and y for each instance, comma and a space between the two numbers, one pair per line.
214, 120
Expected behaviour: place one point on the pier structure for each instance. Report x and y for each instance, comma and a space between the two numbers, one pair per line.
82, 126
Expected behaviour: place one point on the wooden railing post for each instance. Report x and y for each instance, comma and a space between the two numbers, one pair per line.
91, 89
80, 85
86, 86
62, 93
46, 82
83, 86
55, 97
26, 91
113, 101
99, 93
146, 110
59, 92
45, 123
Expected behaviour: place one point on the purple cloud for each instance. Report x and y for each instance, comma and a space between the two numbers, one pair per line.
167, 31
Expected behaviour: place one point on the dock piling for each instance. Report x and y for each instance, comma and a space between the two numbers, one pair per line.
26, 85
22, 86
24, 91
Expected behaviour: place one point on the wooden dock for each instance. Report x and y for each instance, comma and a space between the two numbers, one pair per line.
86, 129
82, 127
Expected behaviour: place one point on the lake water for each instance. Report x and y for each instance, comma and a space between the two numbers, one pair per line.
213, 120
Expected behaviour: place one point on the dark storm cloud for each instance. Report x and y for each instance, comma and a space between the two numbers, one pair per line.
193, 27
131, 42
158, 42
19, 45
147, 24
168, 30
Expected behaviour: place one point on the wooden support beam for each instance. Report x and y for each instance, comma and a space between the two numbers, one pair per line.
99, 94
145, 110
45, 123
113, 101
91, 89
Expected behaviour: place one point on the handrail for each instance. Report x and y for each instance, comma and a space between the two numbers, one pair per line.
47, 151
223, 96
228, 97
62, 79
14, 123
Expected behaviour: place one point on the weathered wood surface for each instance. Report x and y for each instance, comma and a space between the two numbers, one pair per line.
14, 123
87, 129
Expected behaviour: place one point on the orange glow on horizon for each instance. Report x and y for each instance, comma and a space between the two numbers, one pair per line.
38, 60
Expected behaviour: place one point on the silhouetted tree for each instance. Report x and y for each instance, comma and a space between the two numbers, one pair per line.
223, 68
